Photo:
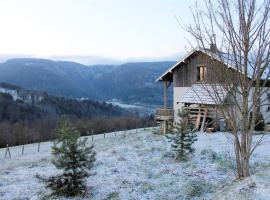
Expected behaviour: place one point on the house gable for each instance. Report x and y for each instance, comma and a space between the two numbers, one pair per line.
186, 72
197, 67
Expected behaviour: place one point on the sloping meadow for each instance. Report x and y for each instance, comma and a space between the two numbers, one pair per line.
139, 166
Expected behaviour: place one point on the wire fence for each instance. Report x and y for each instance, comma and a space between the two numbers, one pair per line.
37, 147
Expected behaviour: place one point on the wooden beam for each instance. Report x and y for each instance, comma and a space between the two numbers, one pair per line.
204, 119
198, 121
165, 94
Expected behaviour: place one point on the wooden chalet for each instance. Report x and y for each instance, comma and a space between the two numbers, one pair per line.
186, 77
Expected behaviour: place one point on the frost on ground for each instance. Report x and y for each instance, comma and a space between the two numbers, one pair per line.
136, 166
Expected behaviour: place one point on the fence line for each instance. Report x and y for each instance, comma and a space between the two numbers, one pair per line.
38, 146
7, 152
92, 135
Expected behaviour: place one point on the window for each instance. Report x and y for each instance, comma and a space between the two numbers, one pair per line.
201, 73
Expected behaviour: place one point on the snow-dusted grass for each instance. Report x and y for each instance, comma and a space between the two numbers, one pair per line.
135, 166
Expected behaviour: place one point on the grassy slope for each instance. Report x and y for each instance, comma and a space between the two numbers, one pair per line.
135, 167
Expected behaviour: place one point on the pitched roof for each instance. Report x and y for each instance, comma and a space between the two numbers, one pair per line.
207, 94
226, 58
177, 64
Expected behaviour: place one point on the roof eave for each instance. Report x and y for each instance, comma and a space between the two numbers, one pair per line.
167, 71
178, 63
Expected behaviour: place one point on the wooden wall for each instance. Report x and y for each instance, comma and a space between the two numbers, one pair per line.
186, 74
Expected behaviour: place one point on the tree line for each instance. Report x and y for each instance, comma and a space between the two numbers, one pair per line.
23, 123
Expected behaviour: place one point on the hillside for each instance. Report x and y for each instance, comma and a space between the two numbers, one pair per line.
128, 83
28, 116
135, 166
28, 104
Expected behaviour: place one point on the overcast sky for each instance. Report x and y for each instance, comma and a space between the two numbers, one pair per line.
119, 29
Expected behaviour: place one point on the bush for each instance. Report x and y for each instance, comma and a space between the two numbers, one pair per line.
197, 188
156, 131
209, 154
226, 163
113, 196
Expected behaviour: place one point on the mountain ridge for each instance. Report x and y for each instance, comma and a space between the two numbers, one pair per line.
129, 82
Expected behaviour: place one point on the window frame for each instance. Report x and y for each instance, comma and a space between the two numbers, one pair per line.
201, 75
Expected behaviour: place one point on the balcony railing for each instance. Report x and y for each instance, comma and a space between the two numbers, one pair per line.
164, 114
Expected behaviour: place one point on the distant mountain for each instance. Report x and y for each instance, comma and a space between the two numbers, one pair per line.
129, 83
88, 59
6, 57
102, 60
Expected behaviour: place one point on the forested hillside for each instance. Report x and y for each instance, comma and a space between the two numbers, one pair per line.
29, 116
129, 83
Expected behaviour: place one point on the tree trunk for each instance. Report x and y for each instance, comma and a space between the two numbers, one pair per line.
246, 167
244, 136
237, 156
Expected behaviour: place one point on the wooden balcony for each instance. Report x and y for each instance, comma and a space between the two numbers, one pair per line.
163, 114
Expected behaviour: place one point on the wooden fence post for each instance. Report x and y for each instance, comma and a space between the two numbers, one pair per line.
92, 134
104, 134
38, 146
115, 133
22, 149
7, 152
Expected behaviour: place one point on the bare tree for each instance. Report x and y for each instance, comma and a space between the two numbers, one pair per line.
240, 30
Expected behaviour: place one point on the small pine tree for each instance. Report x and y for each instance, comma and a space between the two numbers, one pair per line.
74, 158
182, 136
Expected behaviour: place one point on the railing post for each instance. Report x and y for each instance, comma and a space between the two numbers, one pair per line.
165, 128
165, 93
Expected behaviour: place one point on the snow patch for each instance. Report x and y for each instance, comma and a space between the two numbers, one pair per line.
135, 167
